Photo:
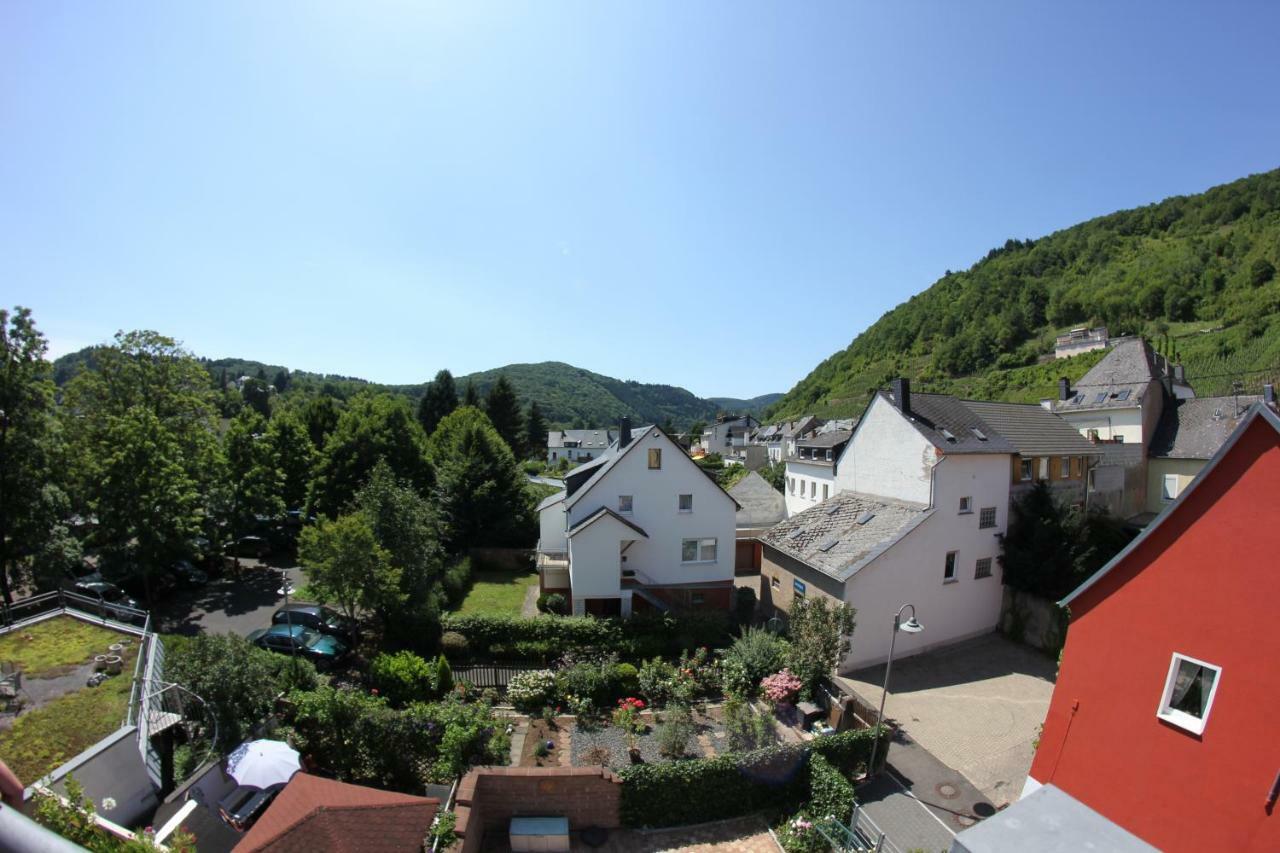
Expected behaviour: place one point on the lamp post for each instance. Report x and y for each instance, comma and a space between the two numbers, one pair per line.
911, 626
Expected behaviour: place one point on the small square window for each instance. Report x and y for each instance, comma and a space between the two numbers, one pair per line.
966, 504
949, 570
624, 503
1026, 470
707, 550
983, 568
688, 550
655, 457
1188, 693
828, 454
686, 503
1169, 488
774, 583
987, 518
697, 599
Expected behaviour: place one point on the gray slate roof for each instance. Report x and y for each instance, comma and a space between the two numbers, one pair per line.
933, 413
603, 512
835, 520
589, 439
1196, 428
1048, 820
825, 439
1122, 379
1032, 429
552, 500
761, 505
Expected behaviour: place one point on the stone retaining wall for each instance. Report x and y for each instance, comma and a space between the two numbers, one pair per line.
489, 797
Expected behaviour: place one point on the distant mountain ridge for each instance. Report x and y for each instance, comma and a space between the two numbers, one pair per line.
565, 393
1197, 275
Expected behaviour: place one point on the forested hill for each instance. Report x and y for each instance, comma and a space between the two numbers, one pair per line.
566, 394
1195, 274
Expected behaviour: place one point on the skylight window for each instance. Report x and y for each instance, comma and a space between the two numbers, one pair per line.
833, 509
797, 533
982, 436
1123, 395
865, 517
828, 545
1077, 399
1101, 398
946, 433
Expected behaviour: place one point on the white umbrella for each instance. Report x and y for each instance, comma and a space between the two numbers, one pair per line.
263, 763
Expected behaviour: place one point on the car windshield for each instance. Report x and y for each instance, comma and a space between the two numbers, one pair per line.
309, 638
110, 592
332, 618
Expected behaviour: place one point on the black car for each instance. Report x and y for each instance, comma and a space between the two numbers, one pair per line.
317, 617
109, 598
250, 546
188, 575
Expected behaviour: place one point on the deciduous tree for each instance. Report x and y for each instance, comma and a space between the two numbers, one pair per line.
348, 567
820, 633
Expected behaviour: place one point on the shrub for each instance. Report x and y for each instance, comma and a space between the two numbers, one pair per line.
642, 636
454, 644
529, 691
553, 603
774, 779
457, 580
830, 792
798, 835
657, 679
626, 679
444, 676
820, 636
781, 687
744, 605
675, 731
758, 652
404, 677
745, 729
627, 718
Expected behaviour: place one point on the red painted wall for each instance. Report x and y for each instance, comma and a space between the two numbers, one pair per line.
1206, 583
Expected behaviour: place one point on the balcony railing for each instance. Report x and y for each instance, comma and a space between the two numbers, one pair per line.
551, 558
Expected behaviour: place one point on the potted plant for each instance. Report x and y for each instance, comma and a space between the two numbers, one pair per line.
627, 718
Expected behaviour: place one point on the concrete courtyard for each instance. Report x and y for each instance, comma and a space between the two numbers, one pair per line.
976, 706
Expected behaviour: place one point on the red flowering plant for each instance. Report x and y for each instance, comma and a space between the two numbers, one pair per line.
627, 718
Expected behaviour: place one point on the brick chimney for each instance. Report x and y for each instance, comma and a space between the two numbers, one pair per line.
1064, 388
902, 394
624, 432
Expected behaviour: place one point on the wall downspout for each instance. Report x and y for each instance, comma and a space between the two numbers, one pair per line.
933, 479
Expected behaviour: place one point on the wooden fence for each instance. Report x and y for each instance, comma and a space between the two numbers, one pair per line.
496, 675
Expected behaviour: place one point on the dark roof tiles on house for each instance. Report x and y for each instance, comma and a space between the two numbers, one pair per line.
825, 439
588, 439
1032, 430
845, 532
1120, 381
603, 512
949, 424
1196, 428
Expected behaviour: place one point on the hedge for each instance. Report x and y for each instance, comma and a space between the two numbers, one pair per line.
547, 637
830, 791
776, 778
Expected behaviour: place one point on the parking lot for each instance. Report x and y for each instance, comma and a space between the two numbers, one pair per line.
230, 603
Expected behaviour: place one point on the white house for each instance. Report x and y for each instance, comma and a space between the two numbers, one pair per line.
779, 439
578, 445
728, 434
811, 470
922, 495
641, 527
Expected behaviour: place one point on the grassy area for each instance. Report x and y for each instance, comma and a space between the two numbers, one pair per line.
42, 649
498, 593
44, 737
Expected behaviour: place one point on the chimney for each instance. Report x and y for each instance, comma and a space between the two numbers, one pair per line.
1269, 396
624, 432
1064, 388
902, 394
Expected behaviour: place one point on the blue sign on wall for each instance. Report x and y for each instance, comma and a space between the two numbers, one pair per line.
799, 587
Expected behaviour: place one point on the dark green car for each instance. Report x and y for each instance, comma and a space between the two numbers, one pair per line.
298, 639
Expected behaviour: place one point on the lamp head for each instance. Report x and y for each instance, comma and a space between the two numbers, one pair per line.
911, 626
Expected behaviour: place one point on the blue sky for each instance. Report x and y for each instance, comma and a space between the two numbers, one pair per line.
713, 195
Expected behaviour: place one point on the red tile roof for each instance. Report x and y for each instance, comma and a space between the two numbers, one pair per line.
313, 814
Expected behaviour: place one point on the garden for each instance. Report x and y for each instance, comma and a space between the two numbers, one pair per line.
64, 700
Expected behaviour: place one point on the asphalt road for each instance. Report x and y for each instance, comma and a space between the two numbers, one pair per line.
230, 604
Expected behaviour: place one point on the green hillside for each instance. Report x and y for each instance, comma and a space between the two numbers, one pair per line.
1195, 274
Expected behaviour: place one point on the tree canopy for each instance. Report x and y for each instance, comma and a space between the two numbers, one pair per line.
503, 410
439, 399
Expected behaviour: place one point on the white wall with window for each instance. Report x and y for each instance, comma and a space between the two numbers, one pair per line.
814, 482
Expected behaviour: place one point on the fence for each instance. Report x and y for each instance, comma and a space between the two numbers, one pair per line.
61, 601
495, 675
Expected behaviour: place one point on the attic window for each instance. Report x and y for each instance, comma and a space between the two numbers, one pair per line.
796, 534
946, 433
1077, 399
1123, 395
1101, 398
833, 509
982, 436
828, 545
865, 517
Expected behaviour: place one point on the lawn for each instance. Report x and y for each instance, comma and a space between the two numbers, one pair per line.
51, 732
498, 593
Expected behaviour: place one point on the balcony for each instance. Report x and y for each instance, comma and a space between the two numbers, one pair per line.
551, 559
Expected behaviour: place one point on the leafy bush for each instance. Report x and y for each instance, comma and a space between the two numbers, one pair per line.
781, 687
454, 644
798, 835
830, 791
745, 729
675, 731
626, 679
820, 636
553, 602
775, 779
457, 580
530, 691
657, 679
404, 677
744, 605
547, 637
74, 821
758, 653
591, 678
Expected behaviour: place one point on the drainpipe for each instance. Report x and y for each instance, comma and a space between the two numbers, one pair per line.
933, 480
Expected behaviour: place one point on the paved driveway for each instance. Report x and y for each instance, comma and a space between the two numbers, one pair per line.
976, 706
229, 604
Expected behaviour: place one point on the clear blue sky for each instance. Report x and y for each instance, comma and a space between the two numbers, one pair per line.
714, 195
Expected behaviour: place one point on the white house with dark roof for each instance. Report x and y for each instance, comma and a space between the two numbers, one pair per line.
922, 495
639, 527
811, 469
578, 445
1048, 449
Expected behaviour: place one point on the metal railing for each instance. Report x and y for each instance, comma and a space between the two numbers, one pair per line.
60, 601
862, 835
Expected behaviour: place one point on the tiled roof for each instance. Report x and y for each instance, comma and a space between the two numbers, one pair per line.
1119, 381
1196, 428
552, 500
589, 439
312, 814
1032, 429
603, 512
845, 532
825, 439
761, 504
952, 426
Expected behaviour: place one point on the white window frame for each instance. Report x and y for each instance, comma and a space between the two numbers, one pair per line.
1181, 719
826, 489
625, 504
978, 574
680, 503
982, 515
813, 489
775, 583
700, 544
1169, 495
966, 505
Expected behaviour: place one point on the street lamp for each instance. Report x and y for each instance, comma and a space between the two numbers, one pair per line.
911, 626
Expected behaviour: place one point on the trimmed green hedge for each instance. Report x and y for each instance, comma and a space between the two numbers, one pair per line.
830, 791
547, 637
777, 779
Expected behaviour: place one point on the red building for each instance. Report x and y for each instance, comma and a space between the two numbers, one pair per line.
1164, 718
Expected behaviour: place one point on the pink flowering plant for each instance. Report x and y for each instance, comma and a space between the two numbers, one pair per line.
781, 688
798, 835
627, 718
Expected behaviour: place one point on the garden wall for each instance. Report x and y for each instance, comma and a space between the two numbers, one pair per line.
1032, 620
508, 559
489, 797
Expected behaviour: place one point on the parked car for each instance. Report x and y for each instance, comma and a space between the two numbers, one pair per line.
188, 575
246, 804
250, 546
317, 617
288, 639
110, 598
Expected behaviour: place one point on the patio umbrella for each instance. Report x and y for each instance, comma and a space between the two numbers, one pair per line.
263, 763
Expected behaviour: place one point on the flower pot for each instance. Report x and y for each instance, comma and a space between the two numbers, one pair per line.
113, 664
99, 663
115, 649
